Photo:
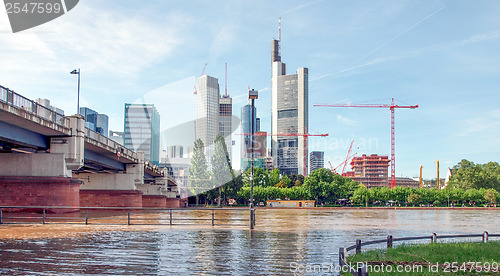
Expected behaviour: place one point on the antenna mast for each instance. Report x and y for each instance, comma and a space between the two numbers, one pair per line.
279, 37
226, 80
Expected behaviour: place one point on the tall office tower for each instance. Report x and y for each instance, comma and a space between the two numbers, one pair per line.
246, 128
95, 121
207, 112
289, 114
225, 121
316, 160
142, 130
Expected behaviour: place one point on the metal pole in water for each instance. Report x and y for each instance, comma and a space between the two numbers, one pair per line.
1, 215
86, 216
213, 218
128, 217
170, 216
43, 221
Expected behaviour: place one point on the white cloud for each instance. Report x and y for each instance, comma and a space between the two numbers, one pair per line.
222, 41
94, 39
346, 121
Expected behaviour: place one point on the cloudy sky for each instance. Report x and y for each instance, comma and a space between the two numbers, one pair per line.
442, 55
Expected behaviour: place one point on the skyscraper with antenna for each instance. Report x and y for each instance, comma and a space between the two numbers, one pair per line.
289, 113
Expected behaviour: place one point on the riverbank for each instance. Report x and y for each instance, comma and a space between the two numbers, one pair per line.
469, 258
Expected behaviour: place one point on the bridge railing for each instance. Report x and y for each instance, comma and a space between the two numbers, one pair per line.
12, 98
109, 144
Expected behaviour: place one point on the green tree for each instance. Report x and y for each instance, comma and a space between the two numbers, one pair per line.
361, 195
414, 199
491, 196
467, 175
198, 176
221, 170
274, 177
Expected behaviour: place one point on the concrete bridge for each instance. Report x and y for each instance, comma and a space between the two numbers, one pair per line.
47, 159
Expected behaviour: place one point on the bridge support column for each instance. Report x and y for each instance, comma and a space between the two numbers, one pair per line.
38, 179
113, 189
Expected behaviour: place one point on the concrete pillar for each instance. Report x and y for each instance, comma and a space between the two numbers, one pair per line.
36, 164
113, 189
72, 147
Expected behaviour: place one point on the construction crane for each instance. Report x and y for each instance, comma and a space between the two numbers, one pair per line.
392, 107
347, 157
305, 135
202, 73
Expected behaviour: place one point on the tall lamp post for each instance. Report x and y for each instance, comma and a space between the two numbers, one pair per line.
252, 95
74, 72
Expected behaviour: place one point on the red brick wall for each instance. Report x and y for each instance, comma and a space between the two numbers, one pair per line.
173, 203
154, 201
110, 198
39, 191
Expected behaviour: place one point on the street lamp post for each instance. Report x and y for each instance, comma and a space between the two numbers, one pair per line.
252, 95
74, 72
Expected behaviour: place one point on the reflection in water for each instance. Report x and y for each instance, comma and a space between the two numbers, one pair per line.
281, 238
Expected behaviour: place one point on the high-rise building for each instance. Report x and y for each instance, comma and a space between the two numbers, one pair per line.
213, 115
316, 160
95, 121
370, 170
225, 121
289, 114
260, 144
176, 151
142, 130
207, 112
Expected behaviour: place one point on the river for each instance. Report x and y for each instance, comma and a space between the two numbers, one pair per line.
283, 240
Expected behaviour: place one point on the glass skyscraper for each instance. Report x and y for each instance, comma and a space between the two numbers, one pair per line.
142, 130
289, 115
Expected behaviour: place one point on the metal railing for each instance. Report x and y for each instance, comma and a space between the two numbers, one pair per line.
362, 270
107, 143
116, 216
14, 99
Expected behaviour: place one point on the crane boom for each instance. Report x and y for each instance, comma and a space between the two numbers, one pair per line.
391, 106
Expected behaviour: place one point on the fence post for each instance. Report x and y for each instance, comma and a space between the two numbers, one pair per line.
358, 246
213, 216
128, 217
86, 216
362, 271
43, 220
170, 216
341, 257
433, 237
485, 235
389, 241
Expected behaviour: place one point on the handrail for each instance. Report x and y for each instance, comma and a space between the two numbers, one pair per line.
129, 219
362, 270
14, 99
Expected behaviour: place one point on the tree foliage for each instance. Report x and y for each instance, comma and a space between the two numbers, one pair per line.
467, 175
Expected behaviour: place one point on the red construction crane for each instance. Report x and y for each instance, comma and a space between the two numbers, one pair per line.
290, 134
202, 73
344, 163
391, 106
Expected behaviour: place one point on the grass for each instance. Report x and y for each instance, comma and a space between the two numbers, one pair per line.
468, 258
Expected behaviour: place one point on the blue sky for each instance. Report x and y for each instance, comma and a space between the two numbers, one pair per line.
442, 55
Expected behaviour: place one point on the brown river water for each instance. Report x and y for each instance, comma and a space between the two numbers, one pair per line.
283, 239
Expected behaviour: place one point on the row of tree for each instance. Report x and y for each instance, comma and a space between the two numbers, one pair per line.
470, 184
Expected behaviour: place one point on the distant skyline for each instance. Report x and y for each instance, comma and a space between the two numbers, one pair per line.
441, 55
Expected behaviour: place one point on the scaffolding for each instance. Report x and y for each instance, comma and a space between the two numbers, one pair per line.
371, 170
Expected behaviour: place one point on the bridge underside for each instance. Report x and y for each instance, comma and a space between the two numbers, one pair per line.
14, 137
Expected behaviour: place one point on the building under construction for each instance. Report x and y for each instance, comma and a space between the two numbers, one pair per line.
370, 170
